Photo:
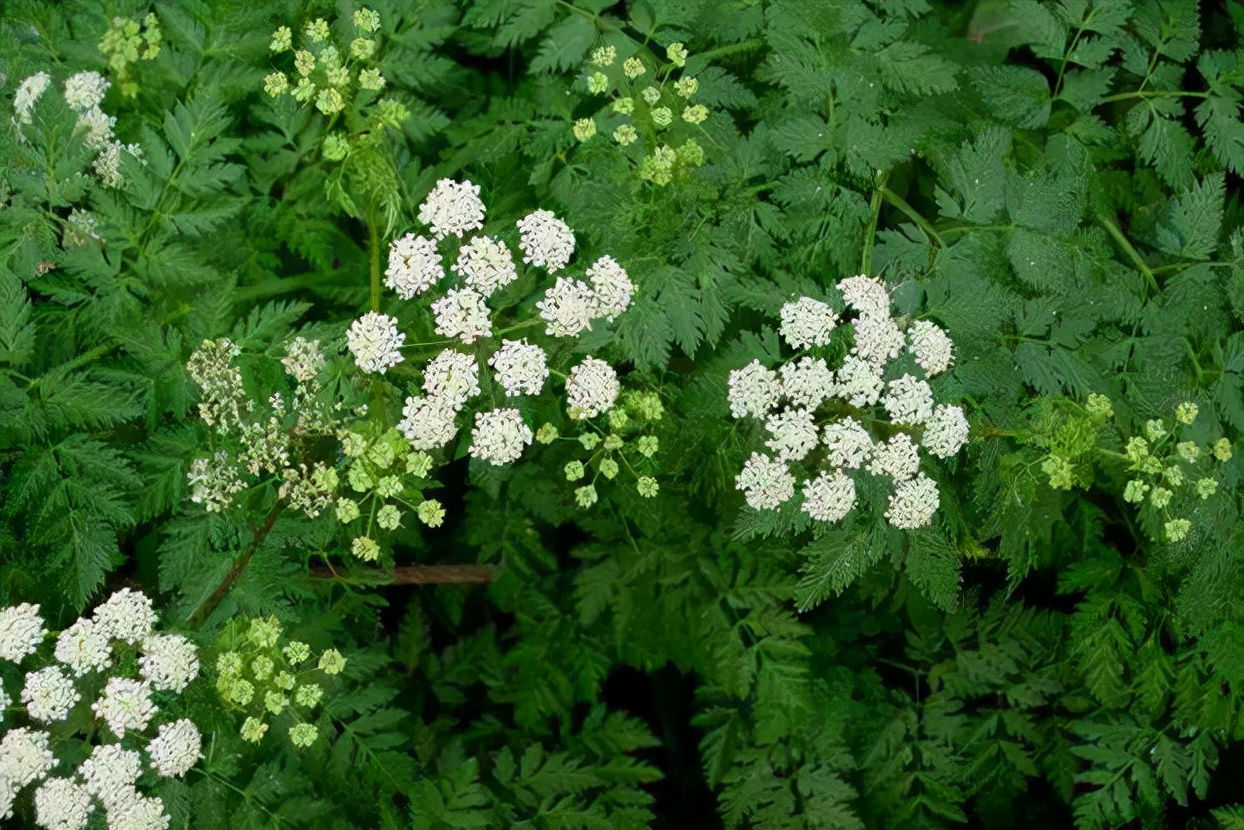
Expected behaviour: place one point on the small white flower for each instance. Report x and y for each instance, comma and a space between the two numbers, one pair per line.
98, 126
547, 242
461, 313
898, 458
754, 391
807, 322
126, 615
28, 92
452, 376
913, 503
591, 388
934, 351
414, 266
62, 804
877, 339
21, 631
303, 359
110, 772
138, 812
829, 497
428, 423
766, 483
169, 662
374, 341
24, 757
485, 265
946, 432
124, 705
794, 434
847, 443
611, 286
807, 381
176, 748
84, 90
452, 208
500, 436
867, 296
569, 307
909, 401
859, 382
520, 367
49, 694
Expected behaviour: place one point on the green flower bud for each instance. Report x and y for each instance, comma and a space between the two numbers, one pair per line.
282, 40
229, 663
304, 62
613, 442
625, 135
431, 513
264, 632
633, 67
1155, 430
584, 128
618, 419
275, 84
366, 20
574, 471
597, 83
389, 487
608, 468
650, 94
390, 113
359, 478
362, 48
662, 116
347, 510
240, 692
1185, 413
303, 734
331, 662
686, 87
317, 30
585, 496
677, 54
691, 154
1160, 497
547, 434
330, 101
1099, 406
309, 695
296, 652
1177, 530
353, 444
1174, 475
1222, 449
1060, 471
381, 454
325, 479
275, 702
604, 56
1135, 491
305, 91
389, 517
648, 445
371, 79
695, 114
419, 464
1137, 449
336, 147
1188, 450
253, 730
262, 667
1206, 487
647, 486
623, 106
365, 548
589, 440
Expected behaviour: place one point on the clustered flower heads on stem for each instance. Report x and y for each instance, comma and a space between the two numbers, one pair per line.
870, 415
114, 665
647, 102
127, 41
265, 676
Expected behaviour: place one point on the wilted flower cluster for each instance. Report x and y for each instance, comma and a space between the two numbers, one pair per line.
334, 77
119, 636
267, 677
264, 444
870, 415
127, 41
628, 439
649, 103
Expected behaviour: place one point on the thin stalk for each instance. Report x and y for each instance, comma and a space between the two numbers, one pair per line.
239, 565
1131, 252
911, 213
874, 209
422, 575
373, 253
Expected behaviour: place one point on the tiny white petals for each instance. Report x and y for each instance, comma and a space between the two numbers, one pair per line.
932, 348
946, 432
169, 662
569, 307
766, 483
859, 382
24, 757
452, 208
414, 266
807, 322
898, 458
877, 339
591, 388
461, 313
546, 241
794, 434
611, 287
428, 423
807, 381
829, 497
62, 804
847, 443
485, 265
374, 341
499, 436
28, 92
126, 615
138, 812
110, 771
520, 367
175, 749
98, 128
21, 631
125, 705
866, 295
452, 376
49, 694
913, 503
754, 390
909, 401
84, 90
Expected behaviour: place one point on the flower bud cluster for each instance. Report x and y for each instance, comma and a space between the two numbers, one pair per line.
106, 671
652, 102
869, 415
262, 674
126, 42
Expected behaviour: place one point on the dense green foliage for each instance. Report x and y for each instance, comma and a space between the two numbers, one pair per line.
1057, 185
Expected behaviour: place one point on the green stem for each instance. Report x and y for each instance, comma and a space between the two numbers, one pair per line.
373, 251
874, 209
911, 213
1156, 93
1131, 252
270, 288
732, 49
526, 325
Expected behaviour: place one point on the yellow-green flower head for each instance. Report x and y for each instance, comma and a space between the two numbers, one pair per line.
1177, 530
304, 62
584, 128
547, 433
589, 440
1206, 487
574, 471
625, 134
633, 67
296, 652
1188, 450
585, 496
597, 83
362, 48
618, 419
624, 105
366, 21
1155, 430
264, 632
282, 40
365, 548
431, 513
305, 91
303, 734
1185, 413
262, 667
1060, 471
1174, 475
331, 662
647, 486
330, 101
613, 442
650, 94
686, 87
275, 702
359, 478
371, 79
229, 663
1135, 491
419, 464
309, 695
604, 56
284, 680
658, 167
1160, 497
662, 116
389, 486
275, 84
338, 76
347, 510
691, 154
1137, 449
317, 30
608, 468
648, 445
1099, 406
353, 444
677, 54
253, 730
325, 478
646, 405
695, 114
239, 691
1222, 449
336, 147
389, 517
1151, 465
391, 113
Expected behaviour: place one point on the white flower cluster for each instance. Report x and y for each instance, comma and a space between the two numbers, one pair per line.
166, 663
788, 402
484, 265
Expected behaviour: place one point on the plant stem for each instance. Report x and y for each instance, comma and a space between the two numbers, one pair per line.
373, 252
423, 575
911, 213
1131, 252
874, 209
239, 565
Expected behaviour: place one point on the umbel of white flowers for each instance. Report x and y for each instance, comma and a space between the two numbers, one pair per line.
836, 448
483, 265
123, 625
